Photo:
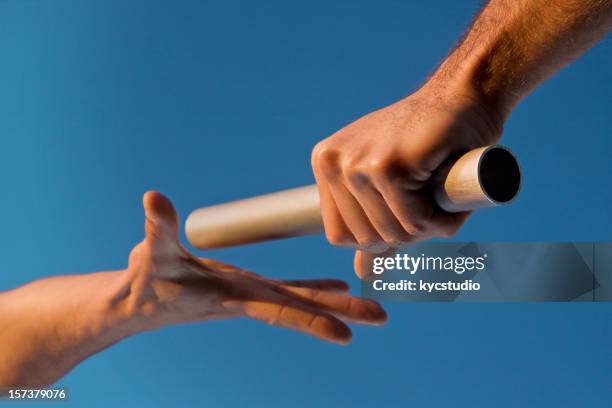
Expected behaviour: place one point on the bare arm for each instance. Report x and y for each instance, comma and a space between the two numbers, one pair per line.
373, 175
49, 326
513, 45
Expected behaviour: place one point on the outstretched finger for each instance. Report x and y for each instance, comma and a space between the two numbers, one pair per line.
332, 285
342, 305
290, 315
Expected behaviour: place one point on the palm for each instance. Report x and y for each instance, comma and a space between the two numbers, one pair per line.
187, 288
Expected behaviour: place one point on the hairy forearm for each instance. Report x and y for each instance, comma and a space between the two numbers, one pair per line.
513, 45
49, 326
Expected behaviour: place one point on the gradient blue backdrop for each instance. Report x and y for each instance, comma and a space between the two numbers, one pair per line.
212, 101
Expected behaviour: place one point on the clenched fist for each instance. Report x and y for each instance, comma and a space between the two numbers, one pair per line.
374, 175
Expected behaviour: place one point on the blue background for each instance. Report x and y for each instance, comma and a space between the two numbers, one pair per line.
213, 101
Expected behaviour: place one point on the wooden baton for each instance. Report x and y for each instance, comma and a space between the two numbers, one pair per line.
485, 177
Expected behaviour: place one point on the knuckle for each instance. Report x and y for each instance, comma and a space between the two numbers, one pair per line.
326, 169
379, 167
323, 151
362, 177
316, 150
325, 159
356, 179
316, 154
386, 175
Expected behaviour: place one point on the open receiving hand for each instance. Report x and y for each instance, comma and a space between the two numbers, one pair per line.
374, 175
172, 285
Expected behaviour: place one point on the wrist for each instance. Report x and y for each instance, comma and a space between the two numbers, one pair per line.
473, 71
457, 94
138, 301
57, 322
128, 306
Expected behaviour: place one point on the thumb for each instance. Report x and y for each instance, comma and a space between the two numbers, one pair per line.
161, 220
364, 262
